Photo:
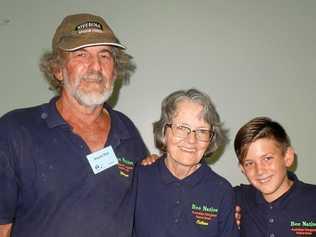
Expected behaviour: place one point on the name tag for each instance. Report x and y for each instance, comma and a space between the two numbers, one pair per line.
102, 159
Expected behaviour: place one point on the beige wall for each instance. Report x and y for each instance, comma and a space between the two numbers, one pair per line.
252, 57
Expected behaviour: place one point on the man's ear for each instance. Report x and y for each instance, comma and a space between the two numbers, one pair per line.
289, 157
115, 74
58, 74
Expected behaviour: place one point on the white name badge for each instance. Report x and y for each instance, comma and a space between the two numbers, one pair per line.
102, 159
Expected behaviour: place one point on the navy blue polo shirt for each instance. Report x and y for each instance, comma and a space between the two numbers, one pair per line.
293, 214
201, 204
47, 187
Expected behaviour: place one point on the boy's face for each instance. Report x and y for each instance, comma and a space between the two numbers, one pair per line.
265, 166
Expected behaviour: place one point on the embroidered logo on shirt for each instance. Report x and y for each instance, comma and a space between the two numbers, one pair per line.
303, 227
125, 166
203, 214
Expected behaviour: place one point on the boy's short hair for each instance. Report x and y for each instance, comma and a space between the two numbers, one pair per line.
257, 128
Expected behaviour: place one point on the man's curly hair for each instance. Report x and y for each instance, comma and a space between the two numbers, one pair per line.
51, 61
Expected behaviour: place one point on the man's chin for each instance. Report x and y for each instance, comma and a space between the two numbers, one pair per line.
92, 100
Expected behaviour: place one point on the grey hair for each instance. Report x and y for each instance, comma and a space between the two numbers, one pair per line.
210, 115
51, 61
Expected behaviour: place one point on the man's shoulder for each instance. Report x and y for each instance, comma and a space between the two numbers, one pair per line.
22, 115
119, 117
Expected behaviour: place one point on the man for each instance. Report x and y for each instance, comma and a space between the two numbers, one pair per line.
276, 203
66, 167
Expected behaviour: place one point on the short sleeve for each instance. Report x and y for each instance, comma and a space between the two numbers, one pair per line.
8, 181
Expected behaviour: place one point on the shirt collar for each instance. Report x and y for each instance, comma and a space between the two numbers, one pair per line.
118, 131
119, 127
190, 181
51, 115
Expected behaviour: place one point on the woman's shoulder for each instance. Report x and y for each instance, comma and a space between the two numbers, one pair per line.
215, 178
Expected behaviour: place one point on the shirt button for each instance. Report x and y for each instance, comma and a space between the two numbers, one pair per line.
271, 207
44, 116
177, 202
271, 220
176, 220
272, 235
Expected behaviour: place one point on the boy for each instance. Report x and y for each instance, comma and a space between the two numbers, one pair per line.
276, 203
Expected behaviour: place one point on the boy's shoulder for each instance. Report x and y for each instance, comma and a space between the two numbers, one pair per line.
307, 190
244, 188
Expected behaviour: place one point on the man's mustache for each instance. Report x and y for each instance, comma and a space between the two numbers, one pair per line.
93, 77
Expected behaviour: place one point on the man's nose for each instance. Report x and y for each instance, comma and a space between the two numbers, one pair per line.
95, 64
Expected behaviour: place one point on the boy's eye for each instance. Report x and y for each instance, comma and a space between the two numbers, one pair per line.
248, 163
267, 158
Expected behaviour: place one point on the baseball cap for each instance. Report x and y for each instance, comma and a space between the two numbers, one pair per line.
83, 30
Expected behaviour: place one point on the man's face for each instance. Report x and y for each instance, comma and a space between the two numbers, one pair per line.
88, 75
265, 166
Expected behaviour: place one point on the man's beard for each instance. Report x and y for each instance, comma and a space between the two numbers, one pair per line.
91, 98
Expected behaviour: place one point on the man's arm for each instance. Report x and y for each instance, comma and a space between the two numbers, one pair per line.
150, 159
238, 216
5, 230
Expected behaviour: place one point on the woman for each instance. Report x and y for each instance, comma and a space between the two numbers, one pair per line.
179, 195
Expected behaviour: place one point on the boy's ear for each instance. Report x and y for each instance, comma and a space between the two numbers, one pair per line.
289, 157
241, 168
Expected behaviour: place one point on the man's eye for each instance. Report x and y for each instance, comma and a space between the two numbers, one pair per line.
107, 55
80, 54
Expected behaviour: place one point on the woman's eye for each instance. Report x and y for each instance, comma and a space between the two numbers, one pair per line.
183, 128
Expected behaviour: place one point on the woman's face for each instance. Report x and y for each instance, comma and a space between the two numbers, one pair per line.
186, 151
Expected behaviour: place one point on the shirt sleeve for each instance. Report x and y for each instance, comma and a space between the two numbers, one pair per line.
227, 223
8, 183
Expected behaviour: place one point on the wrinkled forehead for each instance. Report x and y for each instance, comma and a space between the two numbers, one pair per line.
189, 108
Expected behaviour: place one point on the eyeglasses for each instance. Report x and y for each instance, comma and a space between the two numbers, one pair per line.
181, 131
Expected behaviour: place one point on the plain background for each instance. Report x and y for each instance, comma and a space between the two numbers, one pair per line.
252, 57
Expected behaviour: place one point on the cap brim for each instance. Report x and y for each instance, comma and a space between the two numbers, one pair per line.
92, 39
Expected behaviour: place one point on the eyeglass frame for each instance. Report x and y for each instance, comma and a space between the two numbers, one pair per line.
212, 133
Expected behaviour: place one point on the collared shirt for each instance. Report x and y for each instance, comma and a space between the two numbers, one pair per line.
292, 214
47, 187
199, 205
